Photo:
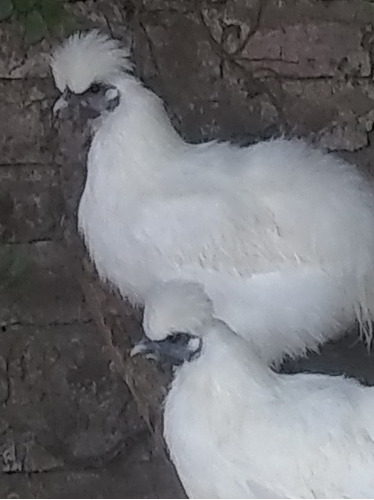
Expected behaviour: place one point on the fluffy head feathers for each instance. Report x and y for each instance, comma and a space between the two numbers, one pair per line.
175, 307
86, 58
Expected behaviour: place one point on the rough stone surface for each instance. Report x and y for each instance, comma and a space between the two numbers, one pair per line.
48, 293
79, 417
249, 75
30, 203
64, 370
25, 111
17, 61
309, 50
337, 115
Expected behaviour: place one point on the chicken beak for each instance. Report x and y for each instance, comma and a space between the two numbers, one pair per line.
145, 347
62, 102
59, 105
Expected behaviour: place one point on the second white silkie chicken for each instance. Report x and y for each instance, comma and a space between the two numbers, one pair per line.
237, 429
280, 234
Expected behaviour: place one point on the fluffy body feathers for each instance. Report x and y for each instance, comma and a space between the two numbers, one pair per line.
280, 234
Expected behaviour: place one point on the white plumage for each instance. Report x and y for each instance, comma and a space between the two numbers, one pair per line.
280, 234
236, 429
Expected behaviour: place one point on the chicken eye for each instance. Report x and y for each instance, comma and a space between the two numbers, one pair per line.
178, 338
95, 88
174, 339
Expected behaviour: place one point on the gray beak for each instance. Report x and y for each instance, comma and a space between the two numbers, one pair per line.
61, 103
145, 347
174, 350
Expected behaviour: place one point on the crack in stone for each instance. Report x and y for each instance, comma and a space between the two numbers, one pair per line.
8, 377
29, 164
253, 30
150, 47
51, 324
26, 78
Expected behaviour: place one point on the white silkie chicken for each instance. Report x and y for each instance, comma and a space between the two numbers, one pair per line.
237, 429
280, 234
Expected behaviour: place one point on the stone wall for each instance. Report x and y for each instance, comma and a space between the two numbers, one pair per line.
246, 69
228, 69
69, 425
